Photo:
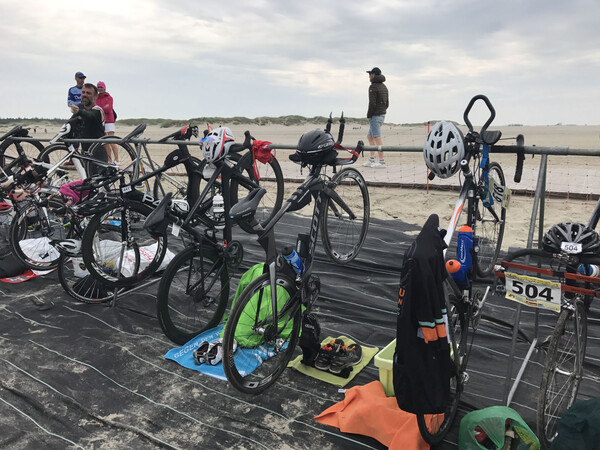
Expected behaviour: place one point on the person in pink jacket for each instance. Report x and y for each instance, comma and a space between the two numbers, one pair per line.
105, 101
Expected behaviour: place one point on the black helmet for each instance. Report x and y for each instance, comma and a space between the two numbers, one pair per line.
571, 232
315, 147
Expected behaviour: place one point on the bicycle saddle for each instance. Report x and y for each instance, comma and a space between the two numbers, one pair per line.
155, 223
246, 207
491, 137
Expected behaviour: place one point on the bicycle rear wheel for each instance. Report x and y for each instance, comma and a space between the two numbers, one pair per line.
32, 230
563, 370
434, 427
343, 234
79, 284
121, 257
264, 347
489, 226
271, 179
193, 293
67, 171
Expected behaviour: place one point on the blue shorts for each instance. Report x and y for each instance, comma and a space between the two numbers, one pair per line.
375, 125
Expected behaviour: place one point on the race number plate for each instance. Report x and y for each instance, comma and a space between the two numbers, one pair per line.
501, 194
532, 291
572, 248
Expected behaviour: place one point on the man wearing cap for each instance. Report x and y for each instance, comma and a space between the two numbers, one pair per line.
74, 95
378, 105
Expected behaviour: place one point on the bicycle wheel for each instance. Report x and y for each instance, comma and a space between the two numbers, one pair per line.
489, 226
175, 180
193, 293
434, 427
264, 347
79, 284
9, 152
343, 236
126, 155
563, 370
32, 230
121, 261
67, 171
271, 179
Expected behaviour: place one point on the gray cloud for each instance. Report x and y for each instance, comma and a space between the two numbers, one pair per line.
539, 61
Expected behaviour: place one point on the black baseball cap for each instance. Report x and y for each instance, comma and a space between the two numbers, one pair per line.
374, 71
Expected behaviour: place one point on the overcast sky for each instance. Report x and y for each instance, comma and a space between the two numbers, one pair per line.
537, 60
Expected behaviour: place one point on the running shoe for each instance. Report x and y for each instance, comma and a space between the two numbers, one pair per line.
327, 352
200, 352
379, 165
348, 356
370, 163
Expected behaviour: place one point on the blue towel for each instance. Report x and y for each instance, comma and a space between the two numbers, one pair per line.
246, 359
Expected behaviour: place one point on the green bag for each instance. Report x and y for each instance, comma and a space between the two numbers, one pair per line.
244, 335
488, 426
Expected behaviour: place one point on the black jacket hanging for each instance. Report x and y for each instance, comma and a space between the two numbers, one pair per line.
422, 362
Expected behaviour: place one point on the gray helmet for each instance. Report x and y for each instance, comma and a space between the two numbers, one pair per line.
444, 149
571, 232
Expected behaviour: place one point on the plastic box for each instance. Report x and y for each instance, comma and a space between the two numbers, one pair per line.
384, 361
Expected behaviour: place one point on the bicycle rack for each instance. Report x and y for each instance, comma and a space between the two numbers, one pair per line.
538, 204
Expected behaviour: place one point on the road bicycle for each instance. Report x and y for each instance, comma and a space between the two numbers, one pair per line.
110, 228
487, 197
268, 312
194, 289
561, 277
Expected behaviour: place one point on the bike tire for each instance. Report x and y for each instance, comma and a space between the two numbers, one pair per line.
563, 370
66, 173
30, 238
342, 236
271, 179
102, 236
169, 182
127, 158
488, 229
243, 325
9, 152
193, 293
82, 287
434, 427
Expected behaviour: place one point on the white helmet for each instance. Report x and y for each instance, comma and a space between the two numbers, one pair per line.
444, 149
216, 144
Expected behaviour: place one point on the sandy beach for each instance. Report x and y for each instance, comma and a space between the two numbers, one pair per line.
416, 204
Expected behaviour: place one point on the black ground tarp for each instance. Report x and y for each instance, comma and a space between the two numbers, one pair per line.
91, 376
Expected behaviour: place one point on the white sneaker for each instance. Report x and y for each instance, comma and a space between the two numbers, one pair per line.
369, 163
379, 165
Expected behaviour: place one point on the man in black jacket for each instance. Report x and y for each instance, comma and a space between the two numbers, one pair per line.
90, 121
378, 105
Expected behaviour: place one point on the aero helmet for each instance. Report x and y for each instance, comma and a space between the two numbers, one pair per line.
216, 144
444, 149
571, 232
316, 147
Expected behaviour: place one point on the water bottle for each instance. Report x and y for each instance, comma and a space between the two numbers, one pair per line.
218, 211
464, 258
293, 259
591, 270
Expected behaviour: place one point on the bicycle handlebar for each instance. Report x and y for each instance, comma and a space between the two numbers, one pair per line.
468, 110
520, 158
184, 133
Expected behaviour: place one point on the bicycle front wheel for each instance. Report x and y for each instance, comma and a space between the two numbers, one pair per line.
9, 152
489, 226
193, 293
345, 225
121, 255
270, 179
563, 370
264, 345
434, 427
32, 231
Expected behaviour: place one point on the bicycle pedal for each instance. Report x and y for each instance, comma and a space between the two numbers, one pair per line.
464, 378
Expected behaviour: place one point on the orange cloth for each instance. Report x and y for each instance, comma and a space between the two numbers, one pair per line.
367, 411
